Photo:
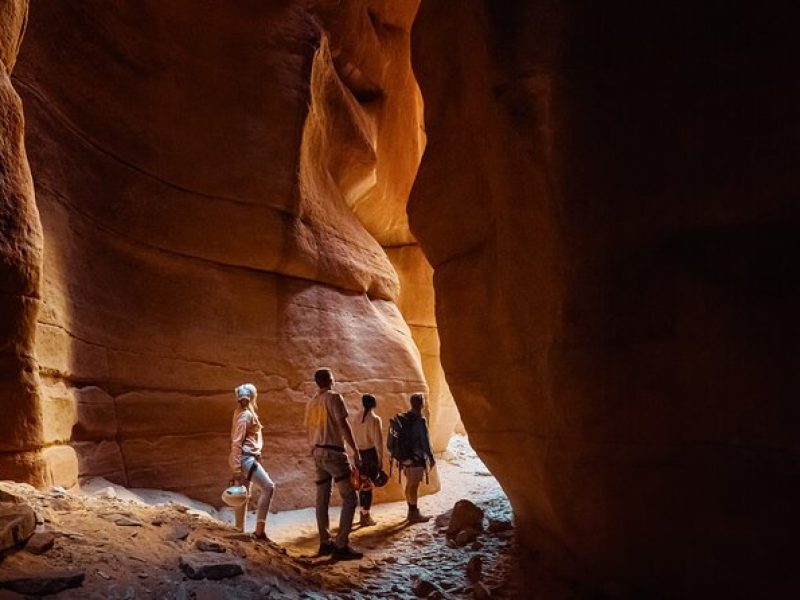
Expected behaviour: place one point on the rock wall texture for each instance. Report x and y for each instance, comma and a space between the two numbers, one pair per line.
609, 201
216, 183
20, 266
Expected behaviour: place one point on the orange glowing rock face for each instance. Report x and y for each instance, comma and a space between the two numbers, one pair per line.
216, 187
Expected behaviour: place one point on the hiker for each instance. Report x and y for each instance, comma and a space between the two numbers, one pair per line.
328, 431
410, 448
245, 457
368, 432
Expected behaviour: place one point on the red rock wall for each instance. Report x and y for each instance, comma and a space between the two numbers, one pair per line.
215, 183
609, 202
20, 264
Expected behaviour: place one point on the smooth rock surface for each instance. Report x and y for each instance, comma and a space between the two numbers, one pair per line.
608, 201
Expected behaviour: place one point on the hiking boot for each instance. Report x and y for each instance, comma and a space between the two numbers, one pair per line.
414, 516
326, 549
366, 520
347, 553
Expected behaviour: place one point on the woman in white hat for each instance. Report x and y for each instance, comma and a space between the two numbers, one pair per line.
246, 444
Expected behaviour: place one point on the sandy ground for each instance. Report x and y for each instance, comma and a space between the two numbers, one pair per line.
129, 545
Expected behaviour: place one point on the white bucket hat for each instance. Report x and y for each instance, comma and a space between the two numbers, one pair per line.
246, 391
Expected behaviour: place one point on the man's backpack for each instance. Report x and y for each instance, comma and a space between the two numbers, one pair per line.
401, 441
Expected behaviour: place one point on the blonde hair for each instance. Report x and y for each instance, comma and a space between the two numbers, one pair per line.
246, 397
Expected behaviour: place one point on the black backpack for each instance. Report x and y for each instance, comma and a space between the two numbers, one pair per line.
400, 441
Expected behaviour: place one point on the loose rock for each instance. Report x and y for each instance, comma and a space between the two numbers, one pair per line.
209, 566
179, 532
40, 542
127, 522
497, 525
422, 588
465, 515
209, 545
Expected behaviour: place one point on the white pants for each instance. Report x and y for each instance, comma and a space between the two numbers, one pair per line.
261, 479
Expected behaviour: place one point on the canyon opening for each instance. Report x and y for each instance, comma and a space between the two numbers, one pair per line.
571, 227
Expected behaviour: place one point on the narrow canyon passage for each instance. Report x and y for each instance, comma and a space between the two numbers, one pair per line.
572, 225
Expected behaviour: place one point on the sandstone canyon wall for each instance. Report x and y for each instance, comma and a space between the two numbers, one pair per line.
216, 183
609, 202
20, 266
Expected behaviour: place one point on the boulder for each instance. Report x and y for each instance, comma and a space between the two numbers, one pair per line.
465, 515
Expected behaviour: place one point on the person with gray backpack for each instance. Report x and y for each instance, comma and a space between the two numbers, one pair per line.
410, 449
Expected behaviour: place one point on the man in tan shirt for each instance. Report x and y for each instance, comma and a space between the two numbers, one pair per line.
328, 431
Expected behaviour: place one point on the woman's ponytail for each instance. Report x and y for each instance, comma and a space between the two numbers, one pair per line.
368, 401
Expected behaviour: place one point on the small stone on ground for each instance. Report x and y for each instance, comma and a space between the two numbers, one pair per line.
40, 542
209, 566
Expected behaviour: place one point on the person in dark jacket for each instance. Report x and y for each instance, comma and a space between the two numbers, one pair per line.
421, 460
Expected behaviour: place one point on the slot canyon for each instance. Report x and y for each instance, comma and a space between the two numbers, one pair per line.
574, 226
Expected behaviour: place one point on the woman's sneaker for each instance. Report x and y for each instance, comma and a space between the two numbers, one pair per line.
346, 553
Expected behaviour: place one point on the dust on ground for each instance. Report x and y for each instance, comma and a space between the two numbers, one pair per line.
129, 545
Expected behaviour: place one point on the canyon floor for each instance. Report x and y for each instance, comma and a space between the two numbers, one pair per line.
131, 544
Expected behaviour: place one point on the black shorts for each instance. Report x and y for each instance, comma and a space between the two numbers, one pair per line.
369, 463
